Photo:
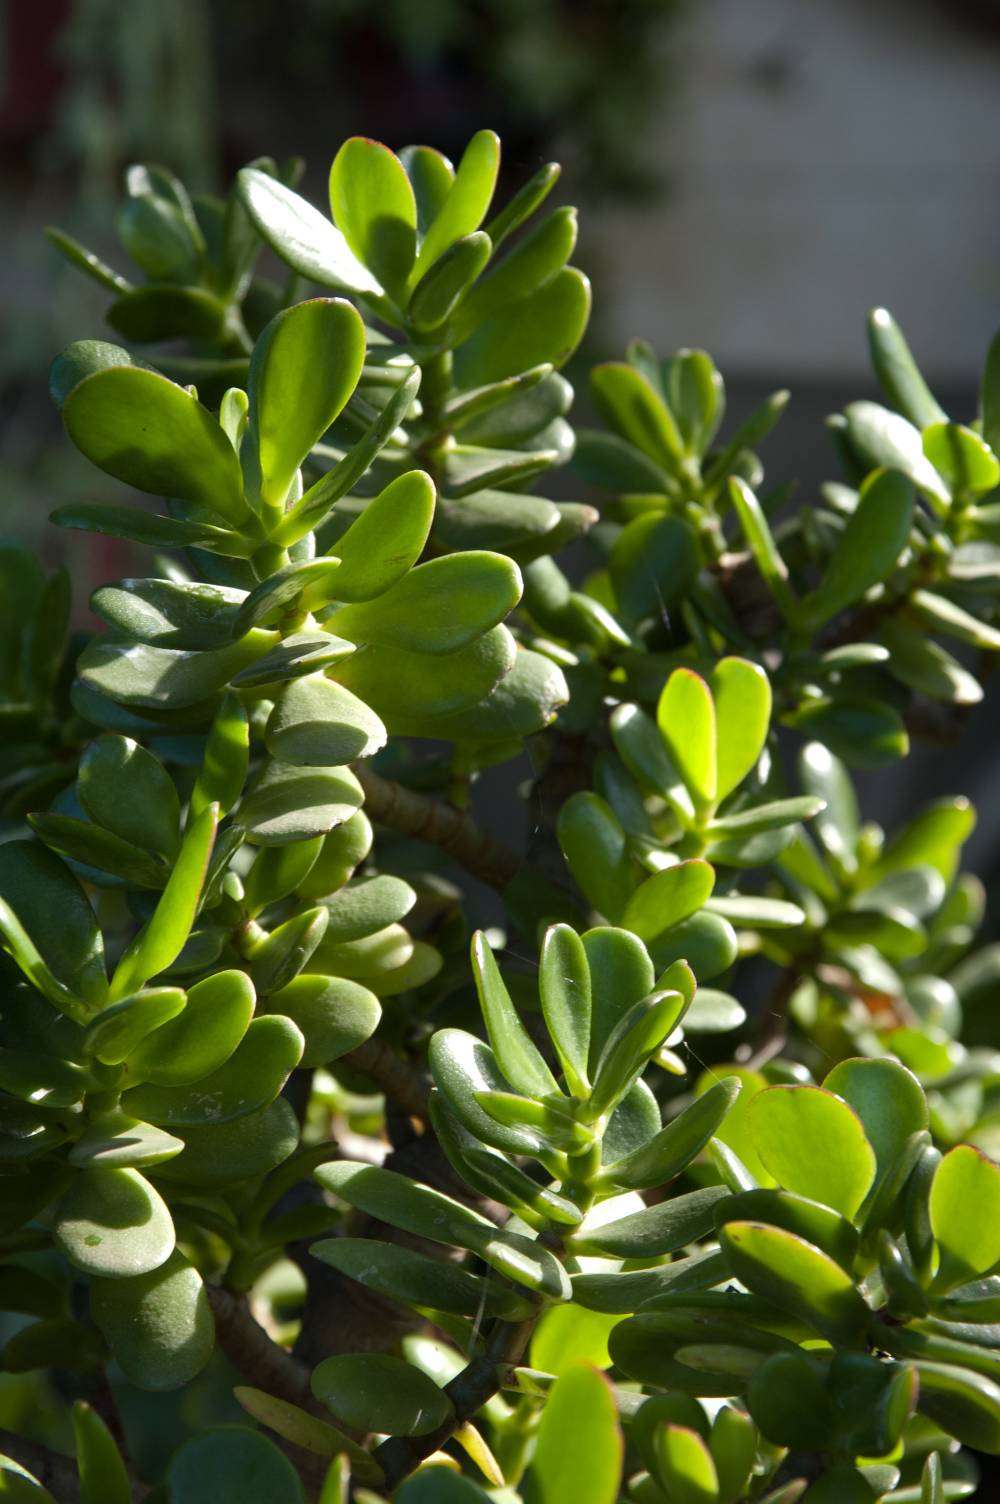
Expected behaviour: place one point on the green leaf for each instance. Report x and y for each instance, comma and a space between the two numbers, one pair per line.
685, 714
417, 1209
373, 204
932, 1481
623, 1292
464, 1070
633, 409
933, 837
733, 1445
300, 235
621, 973
653, 565
544, 327
881, 438
813, 1144
897, 371
37, 885
788, 1400
411, 688
299, 653
564, 989
160, 942
112, 1223
966, 1405
376, 1392
968, 465
533, 262
161, 311
81, 359
118, 1029
402, 1274
676, 1145
98, 849
333, 1014
838, 824
115, 1139
495, 1176
386, 539
437, 1484
797, 1277
818, 1224
579, 1451
145, 527
570, 1334
869, 547
865, 733
431, 176
713, 1012
315, 722
170, 613
222, 1155
127, 790
218, 1013
86, 261
697, 397
685, 1466
742, 696
763, 547
968, 1245
595, 846
278, 958
925, 666
518, 1058
441, 288
659, 1229
103, 1475
524, 203
668, 897
288, 804
889, 1101
640, 745
463, 208
142, 429
231, 1462
164, 678
227, 756
749, 909
251, 1077
315, 505
943, 615
439, 607
307, 1431
304, 367
706, 941
631, 1044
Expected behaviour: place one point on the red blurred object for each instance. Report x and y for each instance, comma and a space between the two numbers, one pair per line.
32, 73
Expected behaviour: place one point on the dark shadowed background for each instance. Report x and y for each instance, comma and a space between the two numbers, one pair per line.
751, 178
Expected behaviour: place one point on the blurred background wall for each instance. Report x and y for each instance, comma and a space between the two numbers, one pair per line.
752, 176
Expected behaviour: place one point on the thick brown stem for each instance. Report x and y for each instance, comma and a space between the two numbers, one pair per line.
259, 1359
407, 1087
453, 830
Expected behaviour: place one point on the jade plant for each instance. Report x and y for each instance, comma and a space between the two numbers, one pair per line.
673, 1181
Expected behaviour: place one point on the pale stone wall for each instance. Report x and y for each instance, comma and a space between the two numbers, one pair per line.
824, 156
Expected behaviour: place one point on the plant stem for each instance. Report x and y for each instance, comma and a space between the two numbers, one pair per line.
468, 1392
407, 1087
259, 1359
453, 830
